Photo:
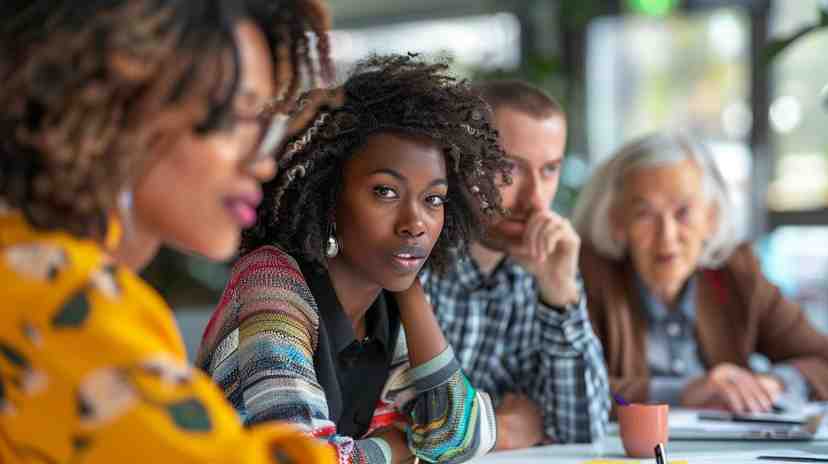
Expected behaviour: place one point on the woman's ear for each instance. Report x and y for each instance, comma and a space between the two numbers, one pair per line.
712, 218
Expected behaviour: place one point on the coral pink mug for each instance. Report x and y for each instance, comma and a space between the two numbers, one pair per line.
642, 427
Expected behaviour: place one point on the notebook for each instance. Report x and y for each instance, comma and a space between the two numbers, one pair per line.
761, 417
701, 425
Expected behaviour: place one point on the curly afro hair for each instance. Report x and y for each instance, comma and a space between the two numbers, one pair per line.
88, 86
398, 93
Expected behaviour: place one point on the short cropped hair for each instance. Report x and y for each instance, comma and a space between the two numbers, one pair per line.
519, 95
592, 214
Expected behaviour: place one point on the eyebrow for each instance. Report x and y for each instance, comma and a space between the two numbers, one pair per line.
517, 159
523, 161
401, 178
640, 199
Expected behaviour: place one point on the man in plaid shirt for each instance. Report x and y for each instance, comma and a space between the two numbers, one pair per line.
514, 310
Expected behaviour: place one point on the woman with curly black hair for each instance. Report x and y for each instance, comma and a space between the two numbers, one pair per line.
324, 322
126, 124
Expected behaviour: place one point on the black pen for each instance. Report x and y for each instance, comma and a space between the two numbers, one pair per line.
660, 454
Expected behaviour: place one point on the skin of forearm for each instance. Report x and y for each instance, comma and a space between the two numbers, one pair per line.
423, 335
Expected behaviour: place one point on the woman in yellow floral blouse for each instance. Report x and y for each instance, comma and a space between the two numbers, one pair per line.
139, 119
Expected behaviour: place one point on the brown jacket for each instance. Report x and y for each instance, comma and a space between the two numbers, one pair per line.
738, 313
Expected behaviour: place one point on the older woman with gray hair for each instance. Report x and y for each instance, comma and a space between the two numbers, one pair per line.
679, 304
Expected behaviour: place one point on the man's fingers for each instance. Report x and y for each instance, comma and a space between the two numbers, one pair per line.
535, 229
560, 236
553, 239
532, 234
508, 401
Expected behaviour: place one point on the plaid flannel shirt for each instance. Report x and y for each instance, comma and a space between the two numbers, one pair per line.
507, 340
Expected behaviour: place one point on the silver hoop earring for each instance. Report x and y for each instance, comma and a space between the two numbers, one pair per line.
332, 245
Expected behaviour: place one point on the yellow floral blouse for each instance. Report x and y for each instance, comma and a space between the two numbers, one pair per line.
93, 368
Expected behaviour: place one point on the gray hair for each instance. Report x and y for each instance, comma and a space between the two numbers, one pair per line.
592, 215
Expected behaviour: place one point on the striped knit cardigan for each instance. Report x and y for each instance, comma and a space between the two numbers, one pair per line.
259, 347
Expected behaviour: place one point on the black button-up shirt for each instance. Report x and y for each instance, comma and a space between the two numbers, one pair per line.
352, 372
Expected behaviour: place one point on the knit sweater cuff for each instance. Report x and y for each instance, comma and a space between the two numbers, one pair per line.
435, 372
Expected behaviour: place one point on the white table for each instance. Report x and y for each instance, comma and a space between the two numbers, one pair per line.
611, 448
702, 451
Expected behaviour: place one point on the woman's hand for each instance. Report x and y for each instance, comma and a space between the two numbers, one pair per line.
413, 298
734, 388
422, 332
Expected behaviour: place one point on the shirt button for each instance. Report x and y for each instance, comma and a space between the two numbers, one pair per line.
673, 329
678, 366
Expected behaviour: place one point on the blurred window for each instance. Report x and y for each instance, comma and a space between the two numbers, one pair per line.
798, 116
683, 71
474, 42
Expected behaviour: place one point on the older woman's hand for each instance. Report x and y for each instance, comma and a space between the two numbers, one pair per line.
734, 388
550, 253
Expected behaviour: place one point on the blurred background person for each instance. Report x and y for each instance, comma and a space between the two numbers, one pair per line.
678, 303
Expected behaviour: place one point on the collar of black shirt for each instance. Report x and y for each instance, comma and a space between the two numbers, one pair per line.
381, 319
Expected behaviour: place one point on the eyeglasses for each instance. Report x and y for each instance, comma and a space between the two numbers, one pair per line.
272, 128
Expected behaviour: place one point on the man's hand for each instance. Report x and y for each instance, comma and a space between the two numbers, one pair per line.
734, 388
519, 423
550, 253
